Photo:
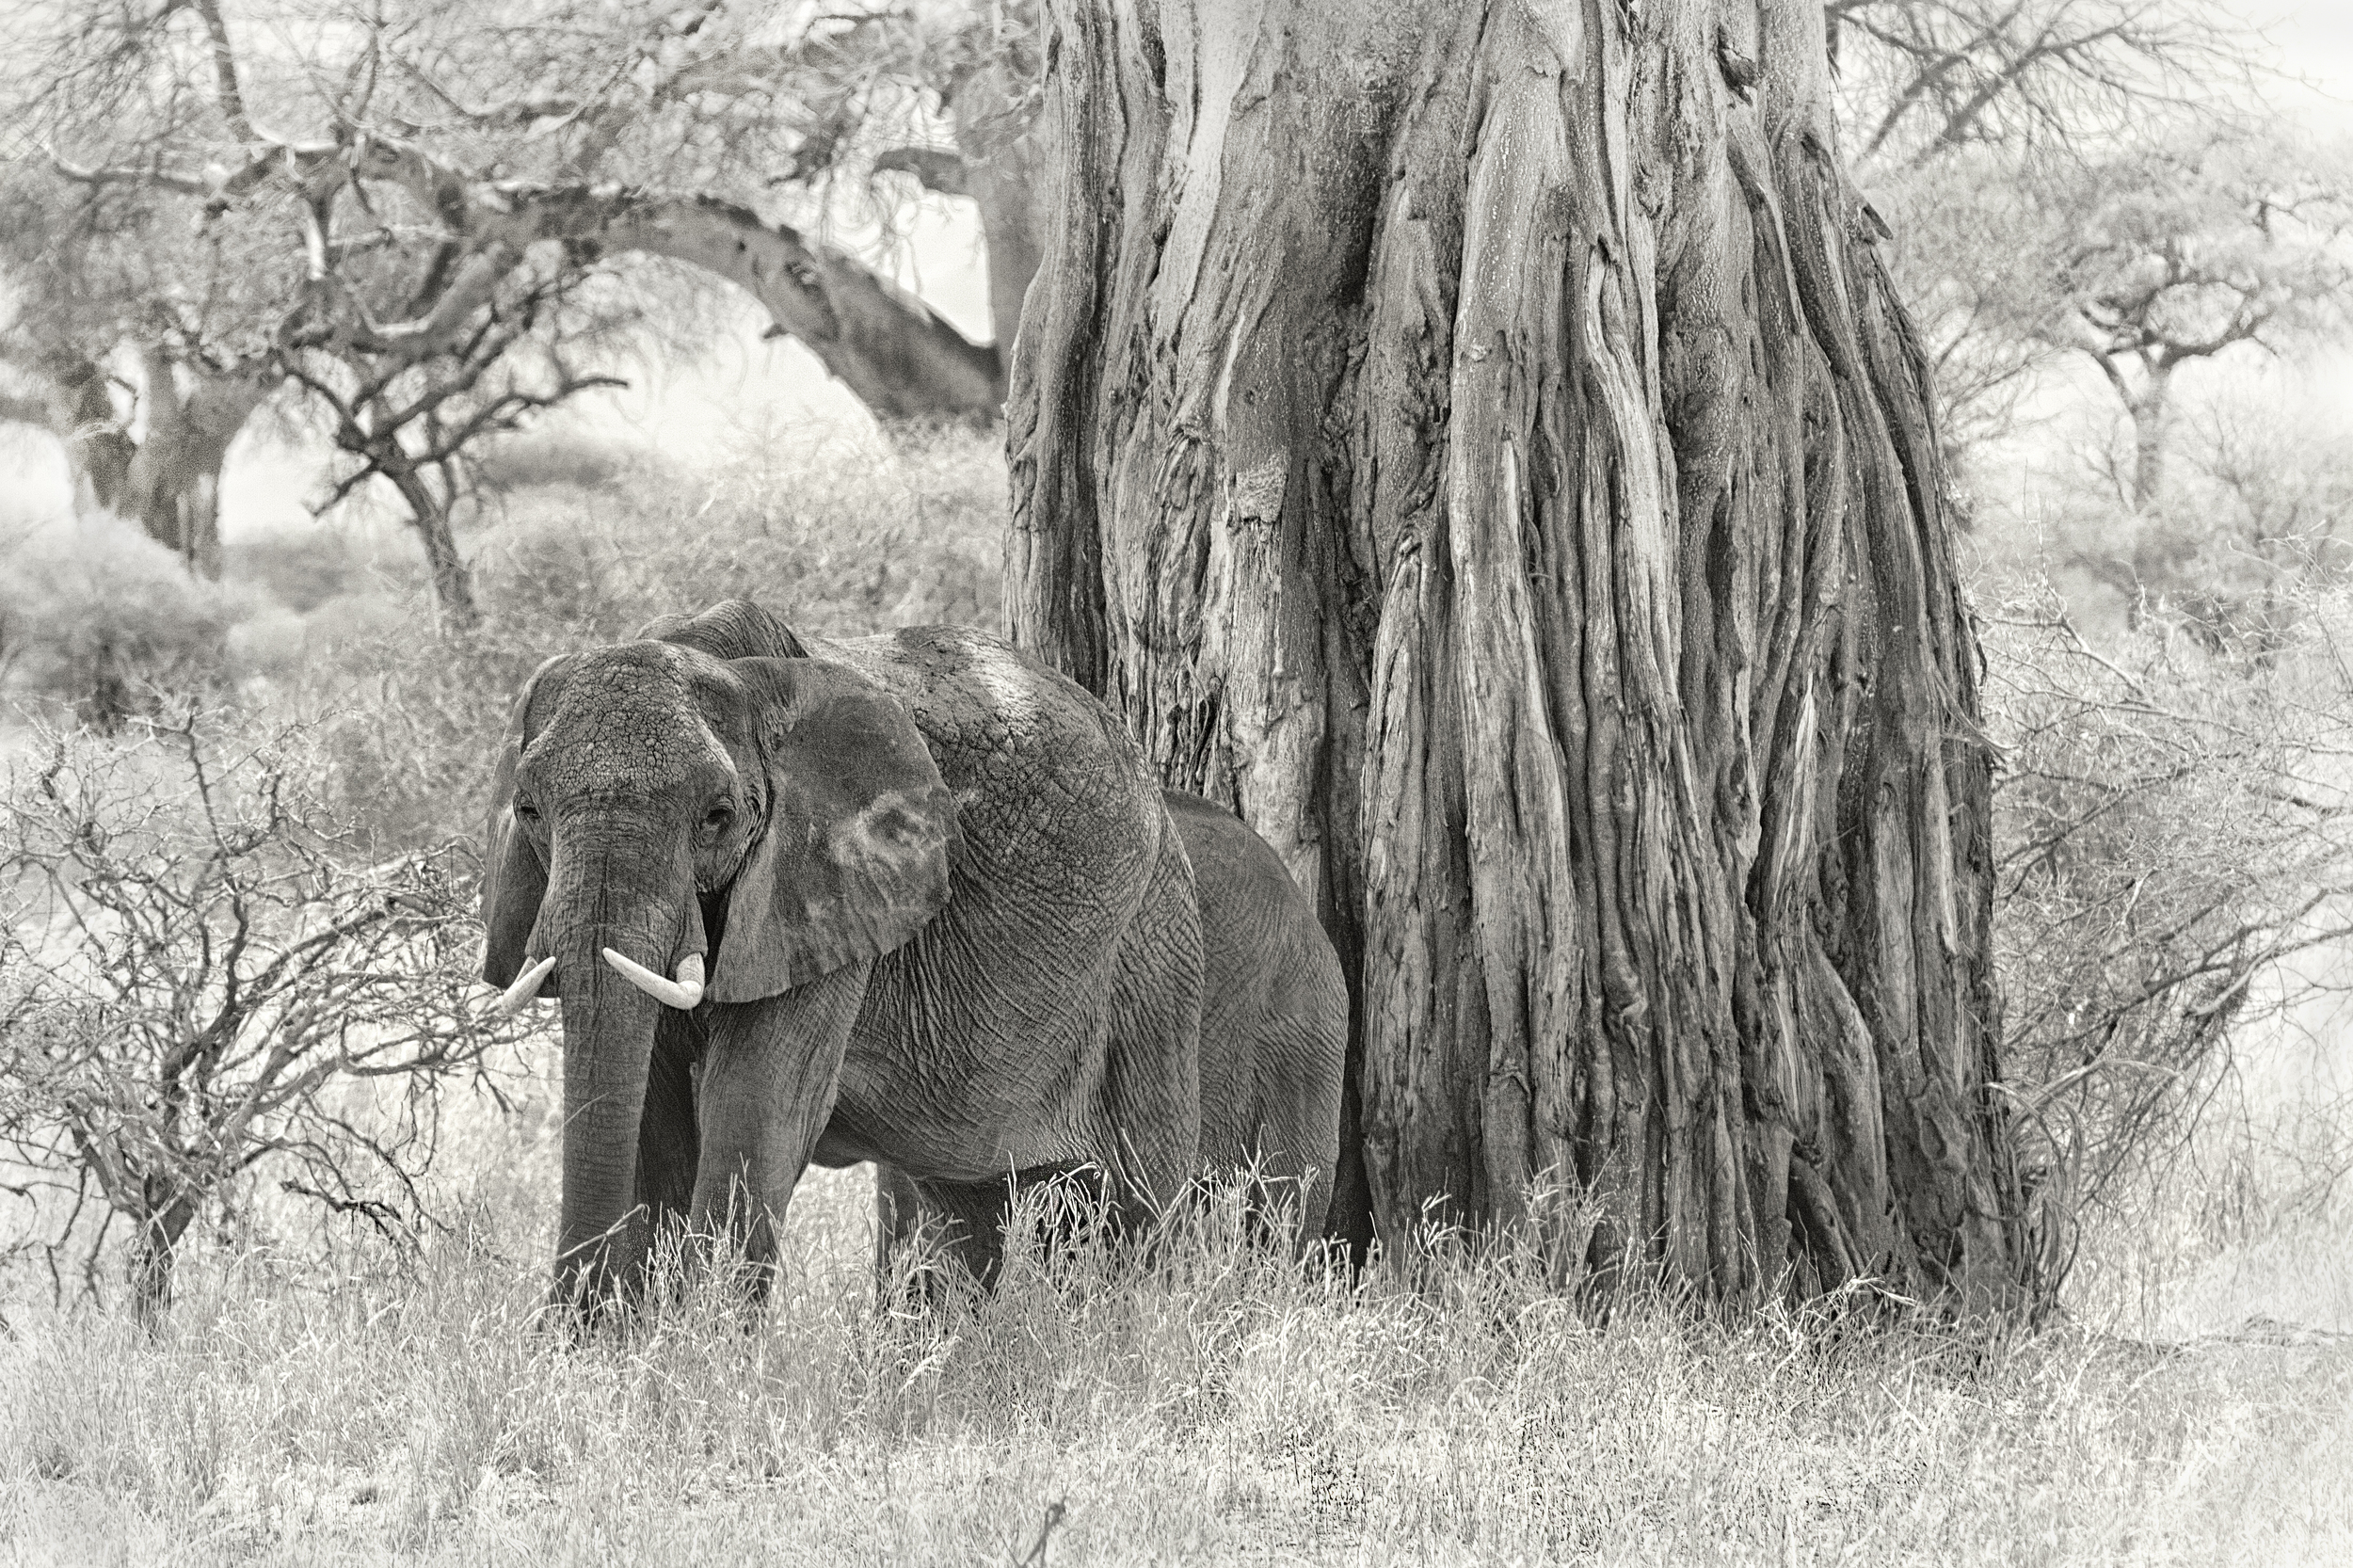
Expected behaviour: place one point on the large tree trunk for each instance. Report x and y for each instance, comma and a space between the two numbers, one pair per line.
172, 484
1478, 442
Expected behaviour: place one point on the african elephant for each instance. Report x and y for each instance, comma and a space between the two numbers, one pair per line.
911, 898
1273, 1040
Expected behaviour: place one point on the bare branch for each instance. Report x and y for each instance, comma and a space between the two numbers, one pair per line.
936, 168
228, 92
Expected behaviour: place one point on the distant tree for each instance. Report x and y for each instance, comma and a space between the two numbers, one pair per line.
1925, 78
1959, 109
419, 422
434, 171
110, 280
2171, 254
193, 974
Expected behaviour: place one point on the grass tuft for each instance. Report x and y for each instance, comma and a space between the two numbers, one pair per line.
1204, 1400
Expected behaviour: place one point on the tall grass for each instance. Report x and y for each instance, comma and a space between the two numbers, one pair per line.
1216, 1403
320, 1396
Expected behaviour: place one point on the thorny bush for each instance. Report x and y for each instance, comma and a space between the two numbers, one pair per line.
196, 982
2174, 828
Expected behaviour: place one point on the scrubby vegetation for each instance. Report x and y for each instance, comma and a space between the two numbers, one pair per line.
1220, 1406
365, 1383
2174, 828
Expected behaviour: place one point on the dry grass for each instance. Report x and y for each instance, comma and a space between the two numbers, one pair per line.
332, 1401
1218, 1406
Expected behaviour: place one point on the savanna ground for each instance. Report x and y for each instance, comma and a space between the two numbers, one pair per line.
320, 1392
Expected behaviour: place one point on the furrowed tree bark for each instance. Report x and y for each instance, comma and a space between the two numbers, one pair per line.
1479, 444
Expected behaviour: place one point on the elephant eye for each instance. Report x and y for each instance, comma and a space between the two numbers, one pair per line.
718, 816
527, 811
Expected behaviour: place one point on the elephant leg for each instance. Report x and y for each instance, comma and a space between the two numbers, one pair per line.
769, 1080
1303, 1048
1149, 1132
968, 1218
963, 1220
1299, 1125
669, 1144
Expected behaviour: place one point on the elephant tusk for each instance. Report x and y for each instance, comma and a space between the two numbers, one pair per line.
518, 996
682, 993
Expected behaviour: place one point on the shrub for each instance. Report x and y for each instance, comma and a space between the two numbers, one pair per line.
2173, 827
195, 967
839, 537
96, 618
302, 567
545, 459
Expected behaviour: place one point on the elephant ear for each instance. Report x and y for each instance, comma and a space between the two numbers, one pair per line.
731, 629
513, 878
854, 859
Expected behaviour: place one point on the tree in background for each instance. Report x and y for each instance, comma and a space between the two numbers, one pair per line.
1960, 110
1922, 79
2173, 253
433, 172
108, 274
419, 422
1533, 521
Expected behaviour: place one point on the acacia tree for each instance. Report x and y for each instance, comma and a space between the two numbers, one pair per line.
2173, 255
1962, 112
430, 172
1481, 445
1925, 78
417, 420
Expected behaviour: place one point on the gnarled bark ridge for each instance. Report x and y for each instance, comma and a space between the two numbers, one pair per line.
1480, 443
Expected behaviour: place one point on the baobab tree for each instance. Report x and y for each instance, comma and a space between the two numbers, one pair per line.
1482, 443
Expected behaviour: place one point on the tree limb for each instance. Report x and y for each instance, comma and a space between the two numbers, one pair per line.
891, 350
936, 168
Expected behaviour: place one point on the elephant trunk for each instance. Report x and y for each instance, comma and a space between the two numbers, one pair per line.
609, 1025
608, 1049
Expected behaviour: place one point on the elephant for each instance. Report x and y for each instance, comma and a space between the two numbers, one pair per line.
1274, 1044
913, 899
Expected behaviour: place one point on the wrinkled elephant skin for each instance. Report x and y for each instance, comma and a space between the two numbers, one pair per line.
1274, 1044
947, 919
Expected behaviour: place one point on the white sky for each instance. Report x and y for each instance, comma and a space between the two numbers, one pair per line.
2312, 39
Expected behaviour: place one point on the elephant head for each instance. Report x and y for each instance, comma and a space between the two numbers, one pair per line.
700, 818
